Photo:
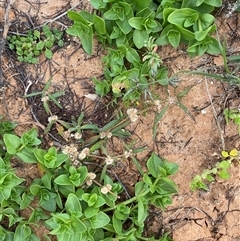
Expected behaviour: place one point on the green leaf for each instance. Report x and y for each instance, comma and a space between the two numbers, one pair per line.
98, 4
100, 220
153, 164
90, 212
85, 34
72, 204
47, 179
99, 25
40, 45
174, 37
26, 156
224, 165
140, 4
142, 210
76, 17
117, 225
111, 14
170, 167
157, 118
22, 233
124, 25
185, 109
183, 16
48, 53
140, 37
63, 180
224, 174
36, 33
137, 23
49, 43
12, 143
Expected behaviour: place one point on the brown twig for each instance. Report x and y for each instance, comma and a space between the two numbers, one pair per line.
3, 39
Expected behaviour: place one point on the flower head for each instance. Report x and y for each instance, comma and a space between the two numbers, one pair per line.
45, 98
52, 118
84, 153
109, 160
127, 153
106, 189
77, 135
91, 175
102, 135
132, 114
89, 182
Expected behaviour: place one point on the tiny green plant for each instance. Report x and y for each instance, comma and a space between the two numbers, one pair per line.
30, 46
220, 170
233, 115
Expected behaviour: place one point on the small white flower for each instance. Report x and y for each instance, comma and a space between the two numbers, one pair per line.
102, 135
109, 160
109, 187
131, 111
172, 100
52, 118
91, 175
45, 98
84, 153
109, 135
65, 150
89, 182
127, 153
158, 104
77, 135
66, 134
104, 190
132, 114
76, 163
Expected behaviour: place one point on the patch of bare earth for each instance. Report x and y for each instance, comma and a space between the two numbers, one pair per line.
194, 145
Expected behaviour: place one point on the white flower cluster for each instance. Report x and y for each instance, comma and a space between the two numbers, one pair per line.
105, 134
109, 160
45, 98
128, 153
132, 114
158, 104
90, 177
52, 118
84, 153
72, 151
77, 135
106, 189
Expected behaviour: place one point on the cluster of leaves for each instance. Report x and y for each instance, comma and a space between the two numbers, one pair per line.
28, 47
136, 28
233, 115
65, 202
221, 170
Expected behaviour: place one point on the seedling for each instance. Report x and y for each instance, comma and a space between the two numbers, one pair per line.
220, 170
31, 45
233, 115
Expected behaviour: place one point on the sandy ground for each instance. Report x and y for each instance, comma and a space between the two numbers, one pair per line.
195, 146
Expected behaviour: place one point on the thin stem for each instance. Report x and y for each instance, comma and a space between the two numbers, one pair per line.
215, 115
131, 200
